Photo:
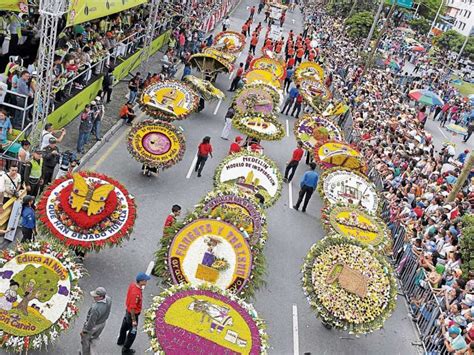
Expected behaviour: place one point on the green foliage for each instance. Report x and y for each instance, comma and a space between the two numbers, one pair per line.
453, 41
420, 25
467, 244
38, 281
358, 25
428, 8
343, 7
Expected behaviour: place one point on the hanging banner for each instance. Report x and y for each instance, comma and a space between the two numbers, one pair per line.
85, 10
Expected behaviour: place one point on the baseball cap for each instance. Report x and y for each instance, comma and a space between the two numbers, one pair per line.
98, 292
52, 140
142, 277
238, 139
454, 330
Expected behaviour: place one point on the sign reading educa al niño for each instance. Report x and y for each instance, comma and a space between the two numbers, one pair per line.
211, 251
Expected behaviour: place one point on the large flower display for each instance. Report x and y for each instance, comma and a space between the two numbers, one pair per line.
156, 143
229, 42
87, 211
207, 250
230, 58
349, 286
258, 98
258, 76
260, 126
273, 66
38, 295
169, 100
332, 153
310, 71
204, 88
353, 222
254, 174
203, 320
312, 130
315, 93
345, 186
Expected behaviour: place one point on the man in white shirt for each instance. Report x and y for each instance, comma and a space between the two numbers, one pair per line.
48, 133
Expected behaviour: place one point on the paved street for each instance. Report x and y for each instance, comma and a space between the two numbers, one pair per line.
291, 234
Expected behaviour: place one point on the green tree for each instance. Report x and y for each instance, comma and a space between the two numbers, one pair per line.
358, 25
420, 25
428, 8
467, 244
39, 283
450, 40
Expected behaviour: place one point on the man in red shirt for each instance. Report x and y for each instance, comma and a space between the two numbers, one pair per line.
171, 219
235, 146
133, 305
253, 43
238, 76
204, 151
293, 164
299, 54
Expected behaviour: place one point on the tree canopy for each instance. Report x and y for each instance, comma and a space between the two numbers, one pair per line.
358, 25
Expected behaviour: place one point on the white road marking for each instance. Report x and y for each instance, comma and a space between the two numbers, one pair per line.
193, 164
444, 135
287, 128
290, 195
296, 340
150, 267
231, 75
217, 107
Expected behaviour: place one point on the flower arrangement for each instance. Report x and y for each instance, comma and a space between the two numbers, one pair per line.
231, 205
277, 93
258, 76
259, 126
253, 174
156, 143
258, 98
315, 93
238, 310
230, 58
41, 327
229, 41
352, 222
310, 71
210, 62
312, 129
274, 66
169, 100
349, 286
349, 187
63, 217
205, 88
163, 255
331, 153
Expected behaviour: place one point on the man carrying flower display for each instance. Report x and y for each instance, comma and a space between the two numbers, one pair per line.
293, 164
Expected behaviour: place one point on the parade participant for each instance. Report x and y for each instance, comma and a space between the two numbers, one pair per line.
293, 163
308, 185
171, 219
235, 147
245, 28
228, 123
252, 11
34, 173
292, 95
299, 54
253, 43
50, 160
238, 76
248, 61
96, 319
297, 106
288, 79
204, 151
133, 308
127, 113
28, 219
225, 24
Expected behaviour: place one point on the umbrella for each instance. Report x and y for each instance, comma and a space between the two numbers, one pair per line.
394, 65
426, 97
417, 49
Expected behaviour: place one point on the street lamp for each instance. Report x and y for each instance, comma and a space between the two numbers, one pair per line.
464, 44
436, 17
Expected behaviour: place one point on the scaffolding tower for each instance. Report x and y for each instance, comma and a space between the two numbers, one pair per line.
50, 12
149, 33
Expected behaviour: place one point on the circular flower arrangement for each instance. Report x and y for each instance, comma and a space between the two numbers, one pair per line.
230, 58
156, 143
87, 211
315, 93
309, 70
258, 76
267, 87
230, 205
259, 99
204, 88
204, 320
229, 41
350, 287
254, 174
169, 100
345, 186
260, 126
331, 153
352, 222
271, 65
38, 295
206, 250
311, 130
209, 63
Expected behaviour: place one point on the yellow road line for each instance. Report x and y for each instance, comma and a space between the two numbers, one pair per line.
109, 151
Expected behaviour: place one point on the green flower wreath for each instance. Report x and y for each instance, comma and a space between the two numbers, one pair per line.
256, 278
20, 344
231, 217
252, 100
327, 172
239, 123
330, 224
269, 201
150, 314
338, 307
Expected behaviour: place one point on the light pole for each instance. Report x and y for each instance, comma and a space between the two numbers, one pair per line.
464, 44
374, 24
436, 17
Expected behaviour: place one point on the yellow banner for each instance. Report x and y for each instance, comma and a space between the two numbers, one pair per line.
85, 10
14, 5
